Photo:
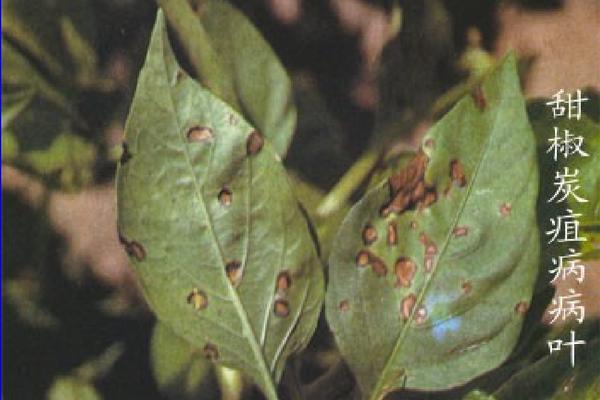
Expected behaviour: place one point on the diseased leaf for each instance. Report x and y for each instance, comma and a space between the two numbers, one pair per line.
233, 60
206, 212
432, 271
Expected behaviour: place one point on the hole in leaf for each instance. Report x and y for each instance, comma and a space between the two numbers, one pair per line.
369, 235
225, 197
521, 308
379, 267
405, 271
281, 308
211, 352
197, 299
254, 143
199, 134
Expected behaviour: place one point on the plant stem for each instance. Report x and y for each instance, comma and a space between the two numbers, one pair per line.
351, 180
230, 383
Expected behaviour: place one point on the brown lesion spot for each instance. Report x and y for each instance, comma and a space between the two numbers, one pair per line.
363, 258
211, 352
407, 305
198, 134
197, 299
281, 308
344, 305
467, 287
134, 249
457, 173
505, 209
408, 189
234, 272
378, 266
225, 197
460, 231
430, 253
478, 97
254, 143
369, 235
284, 282
421, 315
405, 270
521, 308
392, 233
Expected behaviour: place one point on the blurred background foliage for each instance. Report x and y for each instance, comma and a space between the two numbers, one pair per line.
369, 77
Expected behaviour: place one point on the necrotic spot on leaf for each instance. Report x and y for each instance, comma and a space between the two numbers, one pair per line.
211, 352
363, 258
420, 315
431, 249
521, 308
234, 272
505, 209
284, 281
467, 287
479, 97
133, 248
391, 233
281, 308
457, 173
125, 154
225, 197
197, 299
369, 235
429, 143
405, 271
344, 305
460, 231
413, 224
407, 306
378, 266
254, 143
407, 187
199, 134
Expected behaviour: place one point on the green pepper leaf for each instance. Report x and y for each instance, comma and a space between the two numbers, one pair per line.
205, 210
432, 271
